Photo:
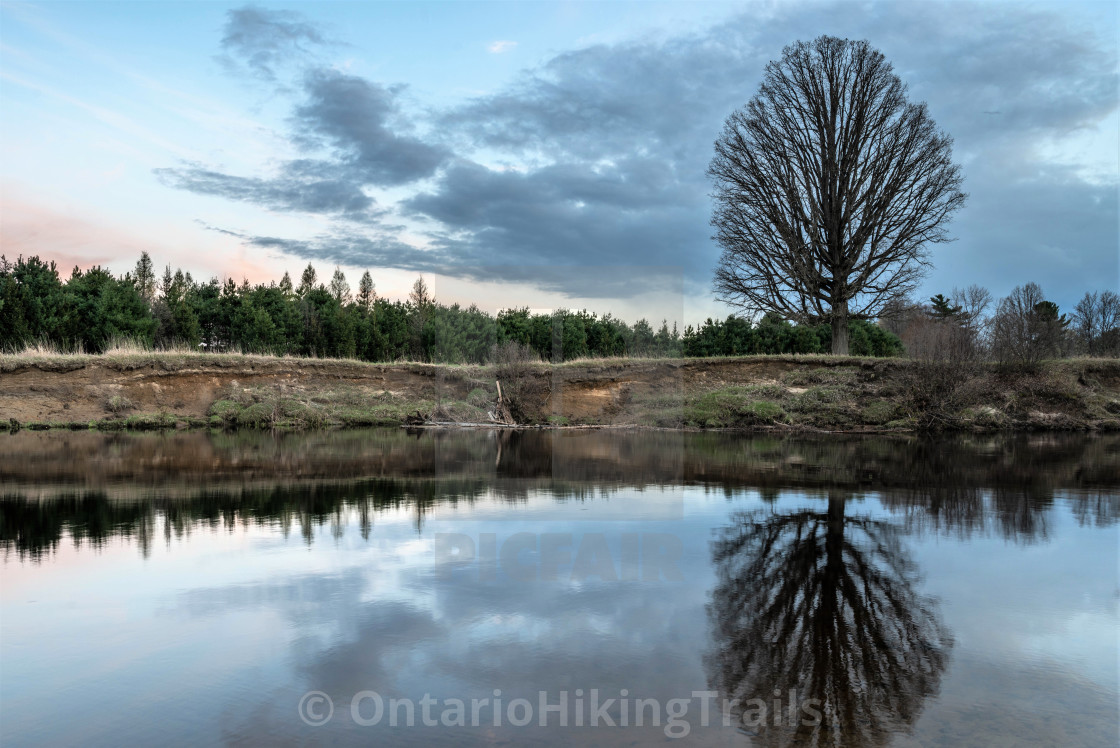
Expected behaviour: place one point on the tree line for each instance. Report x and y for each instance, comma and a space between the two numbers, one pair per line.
94, 309
1023, 328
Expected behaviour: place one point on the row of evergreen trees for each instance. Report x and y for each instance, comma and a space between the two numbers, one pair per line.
92, 309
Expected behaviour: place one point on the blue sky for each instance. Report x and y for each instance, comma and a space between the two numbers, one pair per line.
540, 154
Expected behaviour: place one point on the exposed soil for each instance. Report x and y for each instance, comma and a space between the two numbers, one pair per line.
820, 393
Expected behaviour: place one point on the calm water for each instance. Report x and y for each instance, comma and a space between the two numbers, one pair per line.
716, 589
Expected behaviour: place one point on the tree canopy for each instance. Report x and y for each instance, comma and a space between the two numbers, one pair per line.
829, 185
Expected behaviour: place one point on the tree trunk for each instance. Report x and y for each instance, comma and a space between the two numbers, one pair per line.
840, 330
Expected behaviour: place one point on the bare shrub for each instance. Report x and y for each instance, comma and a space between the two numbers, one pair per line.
1027, 329
940, 382
899, 314
973, 303
515, 366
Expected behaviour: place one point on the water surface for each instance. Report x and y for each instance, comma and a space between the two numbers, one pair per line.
187, 588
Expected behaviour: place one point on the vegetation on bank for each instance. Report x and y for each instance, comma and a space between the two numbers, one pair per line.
93, 310
815, 393
96, 312
1062, 396
965, 369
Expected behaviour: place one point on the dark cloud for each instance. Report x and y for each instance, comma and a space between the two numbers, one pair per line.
605, 149
650, 110
463, 260
360, 120
261, 40
357, 123
292, 191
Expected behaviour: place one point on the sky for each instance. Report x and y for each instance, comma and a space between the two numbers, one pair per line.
540, 154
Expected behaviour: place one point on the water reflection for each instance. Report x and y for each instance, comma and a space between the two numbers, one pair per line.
818, 633
309, 563
145, 486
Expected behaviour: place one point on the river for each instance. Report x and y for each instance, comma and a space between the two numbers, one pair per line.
558, 587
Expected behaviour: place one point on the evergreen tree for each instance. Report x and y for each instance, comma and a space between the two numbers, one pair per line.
340, 289
366, 293
943, 309
420, 296
165, 284
145, 279
306, 281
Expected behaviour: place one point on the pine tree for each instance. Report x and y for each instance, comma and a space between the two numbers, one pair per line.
420, 297
165, 285
286, 285
943, 309
146, 278
366, 293
307, 281
340, 289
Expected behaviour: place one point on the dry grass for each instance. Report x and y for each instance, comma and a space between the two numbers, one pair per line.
133, 356
772, 391
821, 359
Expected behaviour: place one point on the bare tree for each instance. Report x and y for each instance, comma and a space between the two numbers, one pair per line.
898, 314
1109, 307
1096, 320
823, 606
829, 184
973, 302
1027, 328
420, 296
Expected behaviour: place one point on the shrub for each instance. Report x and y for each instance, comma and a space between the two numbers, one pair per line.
522, 389
879, 412
945, 366
732, 407
118, 404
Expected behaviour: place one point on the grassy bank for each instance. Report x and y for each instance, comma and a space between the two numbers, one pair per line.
1059, 396
146, 390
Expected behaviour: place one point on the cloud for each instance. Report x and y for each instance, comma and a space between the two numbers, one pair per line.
291, 191
470, 261
501, 46
261, 40
603, 150
360, 120
355, 126
616, 138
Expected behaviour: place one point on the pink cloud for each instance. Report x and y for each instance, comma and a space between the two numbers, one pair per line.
71, 238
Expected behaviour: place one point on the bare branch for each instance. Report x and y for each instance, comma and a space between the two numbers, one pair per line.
829, 187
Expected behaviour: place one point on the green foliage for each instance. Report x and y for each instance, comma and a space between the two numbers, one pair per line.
732, 407
773, 335
91, 309
879, 412
86, 312
942, 308
150, 421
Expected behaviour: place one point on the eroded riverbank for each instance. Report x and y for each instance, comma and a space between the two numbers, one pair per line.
147, 391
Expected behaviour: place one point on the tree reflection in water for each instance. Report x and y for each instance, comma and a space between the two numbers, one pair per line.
821, 605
